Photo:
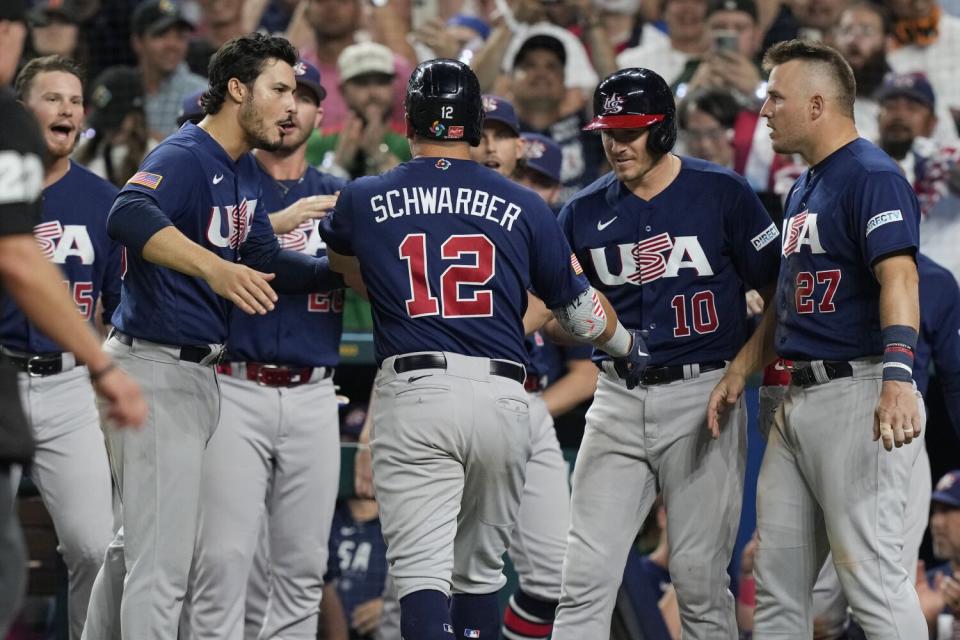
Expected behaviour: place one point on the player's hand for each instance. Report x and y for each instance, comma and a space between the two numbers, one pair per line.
125, 404
366, 617
631, 366
896, 421
250, 290
304, 209
754, 303
749, 555
724, 395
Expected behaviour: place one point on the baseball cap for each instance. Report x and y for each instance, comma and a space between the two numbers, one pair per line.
907, 85
746, 6
542, 154
116, 92
947, 490
309, 76
497, 109
365, 58
190, 108
541, 41
156, 16
625, 7
13, 10
44, 11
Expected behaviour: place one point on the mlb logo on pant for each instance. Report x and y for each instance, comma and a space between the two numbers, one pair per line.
471, 633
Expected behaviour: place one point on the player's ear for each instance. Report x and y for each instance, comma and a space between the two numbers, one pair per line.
816, 106
236, 90
519, 148
319, 119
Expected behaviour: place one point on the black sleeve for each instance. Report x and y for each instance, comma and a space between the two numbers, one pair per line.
22, 153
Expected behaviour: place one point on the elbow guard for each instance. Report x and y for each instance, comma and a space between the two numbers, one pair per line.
583, 316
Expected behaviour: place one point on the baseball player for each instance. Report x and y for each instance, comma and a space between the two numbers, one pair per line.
186, 218
938, 343
448, 250
540, 536
847, 314
673, 242
70, 468
540, 168
277, 443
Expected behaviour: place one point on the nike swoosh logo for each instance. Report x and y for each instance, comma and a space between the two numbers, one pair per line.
217, 179
415, 378
603, 225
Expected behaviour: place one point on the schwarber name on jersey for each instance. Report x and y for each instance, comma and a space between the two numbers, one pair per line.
302, 330
72, 234
446, 244
212, 200
842, 216
677, 266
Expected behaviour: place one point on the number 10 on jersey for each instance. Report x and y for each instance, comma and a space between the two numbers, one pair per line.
452, 302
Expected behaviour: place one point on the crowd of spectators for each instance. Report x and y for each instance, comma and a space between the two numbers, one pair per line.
146, 61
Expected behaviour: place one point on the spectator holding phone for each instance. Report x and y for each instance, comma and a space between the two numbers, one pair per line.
734, 36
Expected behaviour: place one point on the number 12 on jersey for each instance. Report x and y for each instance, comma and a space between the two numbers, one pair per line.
451, 304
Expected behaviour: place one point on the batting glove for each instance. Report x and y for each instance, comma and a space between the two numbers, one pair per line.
631, 366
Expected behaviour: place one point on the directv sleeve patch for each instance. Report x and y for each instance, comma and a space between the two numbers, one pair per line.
765, 237
883, 218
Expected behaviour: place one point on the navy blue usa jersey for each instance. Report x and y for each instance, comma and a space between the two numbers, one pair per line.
358, 559
213, 201
448, 250
850, 210
302, 330
73, 235
677, 266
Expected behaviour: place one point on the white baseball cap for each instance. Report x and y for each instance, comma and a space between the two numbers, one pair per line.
363, 58
627, 7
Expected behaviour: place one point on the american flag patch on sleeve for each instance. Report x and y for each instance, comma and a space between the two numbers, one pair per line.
146, 179
577, 269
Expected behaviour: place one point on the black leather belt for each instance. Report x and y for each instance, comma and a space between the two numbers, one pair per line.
671, 373
189, 354
39, 365
806, 377
437, 361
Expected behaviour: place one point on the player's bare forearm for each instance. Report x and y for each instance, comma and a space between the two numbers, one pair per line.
897, 418
536, 315
557, 334
899, 291
577, 385
37, 286
333, 621
758, 351
349, 268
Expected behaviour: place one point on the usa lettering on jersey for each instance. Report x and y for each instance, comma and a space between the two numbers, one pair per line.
801, 230
398, 203
59, 242
649, 260
229, 226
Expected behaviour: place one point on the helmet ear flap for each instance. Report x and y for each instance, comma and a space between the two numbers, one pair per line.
662, 136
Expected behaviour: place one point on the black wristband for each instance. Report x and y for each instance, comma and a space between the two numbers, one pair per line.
96, 375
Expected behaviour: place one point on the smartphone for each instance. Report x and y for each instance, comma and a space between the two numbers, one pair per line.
422, 11
726, 41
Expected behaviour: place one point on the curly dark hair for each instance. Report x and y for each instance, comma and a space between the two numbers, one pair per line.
242, 58
720, 104
817, 53
37, 66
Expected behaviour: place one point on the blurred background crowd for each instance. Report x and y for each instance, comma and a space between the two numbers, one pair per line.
146, 64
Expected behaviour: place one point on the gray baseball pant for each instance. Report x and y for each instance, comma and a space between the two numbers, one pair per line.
637, 443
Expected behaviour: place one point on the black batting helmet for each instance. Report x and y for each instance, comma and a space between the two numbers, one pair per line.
635, 98
444, 103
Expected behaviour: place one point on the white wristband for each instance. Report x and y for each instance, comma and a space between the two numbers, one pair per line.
619, 345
